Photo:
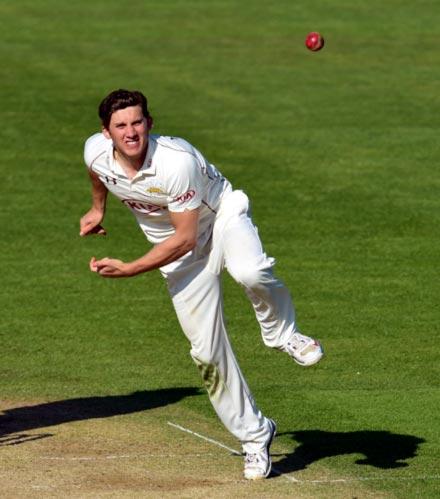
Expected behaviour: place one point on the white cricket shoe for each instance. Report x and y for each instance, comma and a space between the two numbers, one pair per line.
304, 350
258, 465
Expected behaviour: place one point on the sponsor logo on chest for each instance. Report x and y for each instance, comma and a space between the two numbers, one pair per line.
144, 207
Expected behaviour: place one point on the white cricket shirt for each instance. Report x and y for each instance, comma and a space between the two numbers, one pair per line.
174, 177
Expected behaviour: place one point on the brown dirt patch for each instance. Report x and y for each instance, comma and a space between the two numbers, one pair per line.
131, 456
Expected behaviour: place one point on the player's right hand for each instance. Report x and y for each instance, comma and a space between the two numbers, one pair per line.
90, 223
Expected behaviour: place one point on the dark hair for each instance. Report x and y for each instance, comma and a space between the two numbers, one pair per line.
120, 99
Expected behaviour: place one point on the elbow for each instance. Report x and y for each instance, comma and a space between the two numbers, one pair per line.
189, 244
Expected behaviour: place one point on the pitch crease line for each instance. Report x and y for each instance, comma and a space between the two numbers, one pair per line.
233, 451
212, 441
119, 456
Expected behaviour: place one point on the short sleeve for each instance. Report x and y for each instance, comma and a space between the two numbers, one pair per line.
94, 147
185, 184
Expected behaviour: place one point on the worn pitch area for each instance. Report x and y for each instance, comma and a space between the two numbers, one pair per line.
138, 455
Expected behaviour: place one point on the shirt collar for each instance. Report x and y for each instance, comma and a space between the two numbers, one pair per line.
147, 168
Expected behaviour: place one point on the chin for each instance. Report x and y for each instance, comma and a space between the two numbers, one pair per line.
134, 152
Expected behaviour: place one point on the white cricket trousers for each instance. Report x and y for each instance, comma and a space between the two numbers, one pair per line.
197, 297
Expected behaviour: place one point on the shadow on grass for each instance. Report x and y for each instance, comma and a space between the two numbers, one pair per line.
382, 449
21, 419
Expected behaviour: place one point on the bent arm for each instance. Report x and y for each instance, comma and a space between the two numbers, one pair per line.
183, 240
99, 192
177, 245
90, 222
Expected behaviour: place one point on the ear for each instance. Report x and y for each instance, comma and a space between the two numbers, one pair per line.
149, 122
106, 133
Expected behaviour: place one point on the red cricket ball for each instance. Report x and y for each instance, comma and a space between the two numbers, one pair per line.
314, 41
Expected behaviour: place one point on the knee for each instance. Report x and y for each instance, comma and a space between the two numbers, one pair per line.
205, 351
250, 276
210, 374
202, 356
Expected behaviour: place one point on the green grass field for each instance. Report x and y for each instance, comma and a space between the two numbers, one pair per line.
338, 151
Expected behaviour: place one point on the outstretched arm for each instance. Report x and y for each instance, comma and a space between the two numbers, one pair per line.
183, 240
90, 223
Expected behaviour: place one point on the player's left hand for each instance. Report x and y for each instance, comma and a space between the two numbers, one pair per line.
109, 267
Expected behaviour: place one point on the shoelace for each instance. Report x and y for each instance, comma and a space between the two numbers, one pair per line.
252, 459
297, 341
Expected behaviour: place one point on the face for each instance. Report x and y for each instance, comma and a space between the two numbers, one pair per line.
128, 128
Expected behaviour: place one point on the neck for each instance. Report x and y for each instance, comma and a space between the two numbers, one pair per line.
130, 165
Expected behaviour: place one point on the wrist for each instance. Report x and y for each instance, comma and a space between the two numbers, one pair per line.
132, 268
99, 210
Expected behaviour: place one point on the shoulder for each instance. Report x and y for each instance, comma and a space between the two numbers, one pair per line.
175, 146
178, 156
94, 147
181, 168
